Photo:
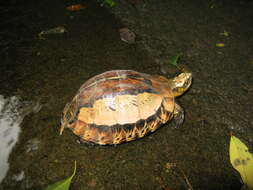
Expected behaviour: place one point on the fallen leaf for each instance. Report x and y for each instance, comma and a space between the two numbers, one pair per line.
174, 60
111, 3
76, 7
220, 45
63, 184
241, 160
225, 33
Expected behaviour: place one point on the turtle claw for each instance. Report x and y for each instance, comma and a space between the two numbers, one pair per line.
178, 115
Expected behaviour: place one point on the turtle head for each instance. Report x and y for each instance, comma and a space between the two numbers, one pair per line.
180, 83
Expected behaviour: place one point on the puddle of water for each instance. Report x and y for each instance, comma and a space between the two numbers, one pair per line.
12, 113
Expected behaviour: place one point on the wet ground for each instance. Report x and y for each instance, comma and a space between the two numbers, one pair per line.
216, 42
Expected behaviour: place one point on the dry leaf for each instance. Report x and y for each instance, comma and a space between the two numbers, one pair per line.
76, 7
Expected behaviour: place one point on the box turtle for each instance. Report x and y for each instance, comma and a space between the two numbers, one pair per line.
122, 105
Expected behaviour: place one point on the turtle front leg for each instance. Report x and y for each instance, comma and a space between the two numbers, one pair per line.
178, 115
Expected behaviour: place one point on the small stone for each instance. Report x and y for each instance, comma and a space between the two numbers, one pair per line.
19, 177
127, 35
32, 145
92, 183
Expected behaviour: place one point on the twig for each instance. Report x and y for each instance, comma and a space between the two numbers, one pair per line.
185, 178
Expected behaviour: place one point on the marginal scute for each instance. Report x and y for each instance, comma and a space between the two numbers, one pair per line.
119, 106
117, 137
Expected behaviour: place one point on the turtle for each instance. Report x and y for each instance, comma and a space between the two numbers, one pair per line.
123, 105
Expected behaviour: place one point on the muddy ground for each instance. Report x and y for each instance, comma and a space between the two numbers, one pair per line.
216, 42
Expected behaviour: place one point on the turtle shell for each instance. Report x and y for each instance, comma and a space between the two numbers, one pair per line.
119, 106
